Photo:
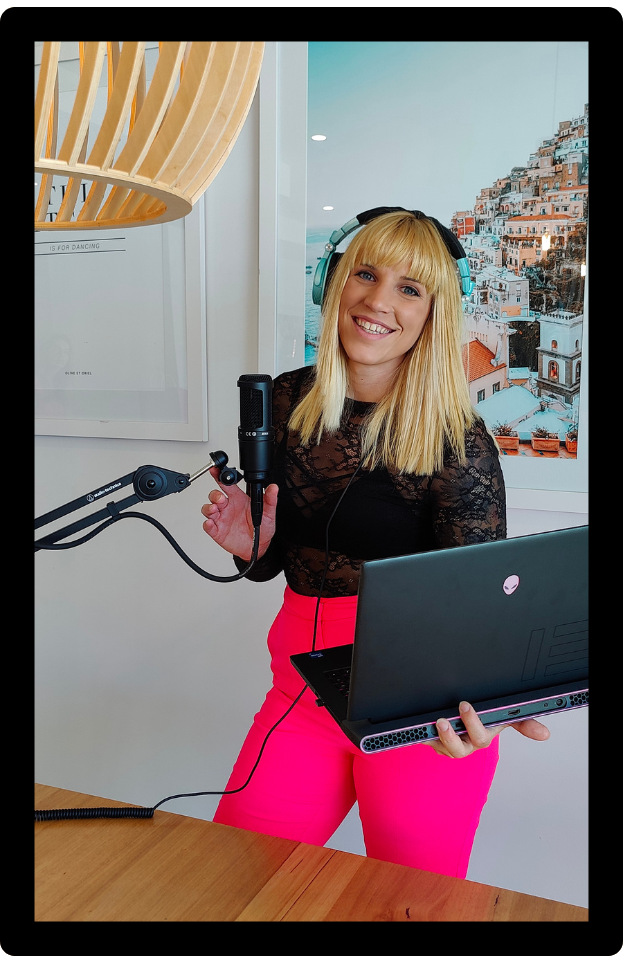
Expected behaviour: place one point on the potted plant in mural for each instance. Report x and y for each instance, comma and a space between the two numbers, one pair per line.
571, 439
544, 440
506, 437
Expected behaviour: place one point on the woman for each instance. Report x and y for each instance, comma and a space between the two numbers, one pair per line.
386, 409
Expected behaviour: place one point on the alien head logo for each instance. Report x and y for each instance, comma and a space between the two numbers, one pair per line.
510, 584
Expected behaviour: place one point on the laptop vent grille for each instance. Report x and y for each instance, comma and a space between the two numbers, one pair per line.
390, 739
579, 699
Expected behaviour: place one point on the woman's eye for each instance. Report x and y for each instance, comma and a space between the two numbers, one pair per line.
411, 291
365, 274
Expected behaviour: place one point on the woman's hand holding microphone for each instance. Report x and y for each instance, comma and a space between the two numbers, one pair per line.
228, 519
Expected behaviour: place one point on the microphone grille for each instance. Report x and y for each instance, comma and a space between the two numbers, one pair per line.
251, 408
254, 377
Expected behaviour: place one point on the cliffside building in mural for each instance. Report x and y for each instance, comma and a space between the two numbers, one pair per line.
525, 241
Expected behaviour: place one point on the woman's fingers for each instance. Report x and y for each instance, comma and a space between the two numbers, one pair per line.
532, 729
477, 736
270, 502
228, 518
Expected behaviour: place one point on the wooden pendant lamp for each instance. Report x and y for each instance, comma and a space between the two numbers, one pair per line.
178, 131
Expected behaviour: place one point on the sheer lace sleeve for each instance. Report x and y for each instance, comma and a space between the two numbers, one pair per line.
266, 567
468, 502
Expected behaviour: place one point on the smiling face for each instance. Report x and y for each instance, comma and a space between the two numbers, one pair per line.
382, 314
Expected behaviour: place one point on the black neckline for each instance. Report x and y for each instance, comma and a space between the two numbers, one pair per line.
361, 405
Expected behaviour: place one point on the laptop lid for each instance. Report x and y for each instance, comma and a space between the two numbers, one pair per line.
476, 622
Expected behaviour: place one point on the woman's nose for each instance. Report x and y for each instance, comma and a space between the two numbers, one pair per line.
378, 298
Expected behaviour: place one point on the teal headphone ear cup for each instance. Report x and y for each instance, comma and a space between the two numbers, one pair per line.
319, 280
324, 273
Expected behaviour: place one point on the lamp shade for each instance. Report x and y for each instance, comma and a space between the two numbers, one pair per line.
159, 144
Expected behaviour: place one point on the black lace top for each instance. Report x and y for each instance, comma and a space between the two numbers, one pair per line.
382, 515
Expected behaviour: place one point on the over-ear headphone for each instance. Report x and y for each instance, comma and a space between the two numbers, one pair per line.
328, 262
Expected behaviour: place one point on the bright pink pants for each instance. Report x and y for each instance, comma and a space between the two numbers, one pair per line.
417, 808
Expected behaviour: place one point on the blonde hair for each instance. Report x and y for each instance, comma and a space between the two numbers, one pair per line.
428, 405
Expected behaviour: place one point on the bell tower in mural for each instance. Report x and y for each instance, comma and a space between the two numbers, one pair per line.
560, 355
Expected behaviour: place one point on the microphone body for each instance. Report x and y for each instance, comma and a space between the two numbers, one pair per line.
256, 437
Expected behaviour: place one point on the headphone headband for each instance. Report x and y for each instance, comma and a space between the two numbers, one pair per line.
329, 260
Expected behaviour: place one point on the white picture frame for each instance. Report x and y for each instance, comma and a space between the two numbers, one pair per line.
282, 145
184, 367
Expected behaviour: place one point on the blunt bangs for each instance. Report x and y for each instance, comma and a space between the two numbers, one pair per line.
394, 238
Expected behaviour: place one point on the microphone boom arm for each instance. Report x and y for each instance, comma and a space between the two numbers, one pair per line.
149, 482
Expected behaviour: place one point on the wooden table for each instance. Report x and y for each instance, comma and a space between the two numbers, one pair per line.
177, 868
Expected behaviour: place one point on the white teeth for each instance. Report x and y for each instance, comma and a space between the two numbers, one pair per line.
374, 328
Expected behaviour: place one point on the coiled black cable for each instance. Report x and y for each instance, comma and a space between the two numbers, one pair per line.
139, 812
102, 812
180, 551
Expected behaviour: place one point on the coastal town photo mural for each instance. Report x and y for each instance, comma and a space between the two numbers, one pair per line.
426, 127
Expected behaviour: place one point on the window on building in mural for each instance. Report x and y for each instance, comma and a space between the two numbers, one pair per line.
554, 345
578, 365
481, 395
553, 371
496, 387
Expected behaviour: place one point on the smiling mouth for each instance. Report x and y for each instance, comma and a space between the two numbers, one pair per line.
372, 327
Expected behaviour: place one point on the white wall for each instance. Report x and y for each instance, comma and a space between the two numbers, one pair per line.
148, 676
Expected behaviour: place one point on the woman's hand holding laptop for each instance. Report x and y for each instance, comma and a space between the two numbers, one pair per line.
450, 743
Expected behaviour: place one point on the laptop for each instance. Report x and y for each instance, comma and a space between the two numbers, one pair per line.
503, 625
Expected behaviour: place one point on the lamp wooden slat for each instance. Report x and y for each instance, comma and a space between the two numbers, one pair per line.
239, 87
112, 206
143, 206
130, 204
206, 113
119, 105
139, 97
72, 189
91, 206
45, 186
181, 110
66, 210
78, 125
46, 85
209, 162
154, 108
112, 51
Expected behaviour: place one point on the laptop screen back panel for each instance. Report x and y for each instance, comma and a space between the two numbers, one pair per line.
442, 626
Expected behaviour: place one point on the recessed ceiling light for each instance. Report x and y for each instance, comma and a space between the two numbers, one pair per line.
327, 208
318, 137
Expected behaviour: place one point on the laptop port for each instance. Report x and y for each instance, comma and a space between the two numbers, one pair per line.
513, 712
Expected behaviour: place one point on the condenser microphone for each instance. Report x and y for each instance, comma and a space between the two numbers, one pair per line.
256, 437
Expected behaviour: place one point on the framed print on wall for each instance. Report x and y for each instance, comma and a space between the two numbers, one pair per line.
120, 332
